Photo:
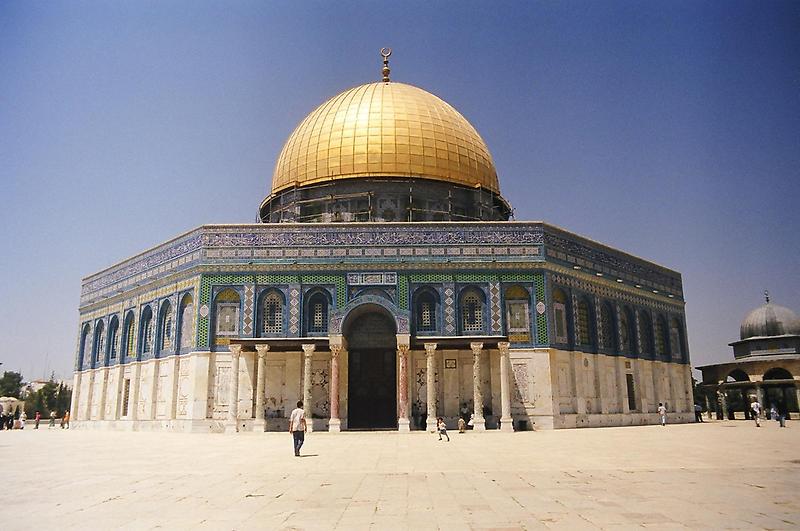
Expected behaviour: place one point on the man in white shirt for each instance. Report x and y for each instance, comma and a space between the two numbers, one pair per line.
663, 412
297, 427
755, 407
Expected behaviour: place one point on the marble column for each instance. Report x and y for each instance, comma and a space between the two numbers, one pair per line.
232, 424
760, 396
308, 353
506, 422
430, 374
479, 423
723, 402
403, 423
261, 376
335, 423
797, 392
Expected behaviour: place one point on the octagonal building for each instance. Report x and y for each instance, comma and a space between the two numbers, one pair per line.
384, 285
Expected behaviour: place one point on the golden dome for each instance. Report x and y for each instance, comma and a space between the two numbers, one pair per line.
387, 130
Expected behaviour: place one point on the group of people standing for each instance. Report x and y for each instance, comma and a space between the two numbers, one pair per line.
778, 413
8, 422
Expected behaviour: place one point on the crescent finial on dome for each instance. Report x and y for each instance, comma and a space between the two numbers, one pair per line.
385, 53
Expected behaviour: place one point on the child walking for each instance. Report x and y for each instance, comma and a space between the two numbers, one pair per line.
442, 428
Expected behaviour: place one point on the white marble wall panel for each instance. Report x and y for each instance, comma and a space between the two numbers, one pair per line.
275, 388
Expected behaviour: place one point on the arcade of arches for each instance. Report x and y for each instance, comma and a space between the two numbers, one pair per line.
369, 377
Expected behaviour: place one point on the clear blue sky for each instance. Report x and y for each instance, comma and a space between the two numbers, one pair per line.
670, 130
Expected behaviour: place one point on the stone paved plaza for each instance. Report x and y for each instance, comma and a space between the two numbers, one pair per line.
713, 476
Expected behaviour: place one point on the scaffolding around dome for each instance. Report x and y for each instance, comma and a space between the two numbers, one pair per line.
384, 199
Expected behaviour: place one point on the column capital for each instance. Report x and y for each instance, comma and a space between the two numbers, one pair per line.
336, 349
430, 349
503, 346
308, 349
337, 340
262, 350
403, 348
477, 348
235, 350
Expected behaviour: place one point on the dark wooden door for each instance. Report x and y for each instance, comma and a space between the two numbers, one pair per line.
372, 388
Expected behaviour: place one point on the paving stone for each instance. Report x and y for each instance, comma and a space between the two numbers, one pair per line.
683, 476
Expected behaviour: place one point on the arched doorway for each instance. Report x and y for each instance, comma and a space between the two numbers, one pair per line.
371, 369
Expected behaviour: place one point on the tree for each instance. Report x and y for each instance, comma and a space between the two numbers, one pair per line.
11, 384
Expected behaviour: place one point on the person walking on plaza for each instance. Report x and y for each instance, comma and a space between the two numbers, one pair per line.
297, 427
462, 425
52, 420
442, 428
755, 407
36, 420
698, 413
783, 412
22, 419
663, 412
65, 420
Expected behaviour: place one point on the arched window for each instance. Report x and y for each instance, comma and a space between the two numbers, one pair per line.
608, 336
627, 330
560, 316
227, 311
426, 310
737, 375
271, 317
675, 339
317, 313
165, 327
130, 337
187, 319
113, 338
518, 311
661, 337
585, 323
146, 331
646, 333
85, 331
472, 302
99, 343
777, 373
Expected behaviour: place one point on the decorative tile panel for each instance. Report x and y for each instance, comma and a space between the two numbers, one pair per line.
449, 306
494, 305
294, 310
249, 310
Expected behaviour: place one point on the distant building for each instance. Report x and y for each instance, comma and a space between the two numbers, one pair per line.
385, 284
34, 385
766, 365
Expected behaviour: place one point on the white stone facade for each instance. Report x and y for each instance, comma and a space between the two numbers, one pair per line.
548, 389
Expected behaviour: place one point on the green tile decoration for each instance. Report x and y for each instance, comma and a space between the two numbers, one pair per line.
402, 291
541, 320
208, 281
